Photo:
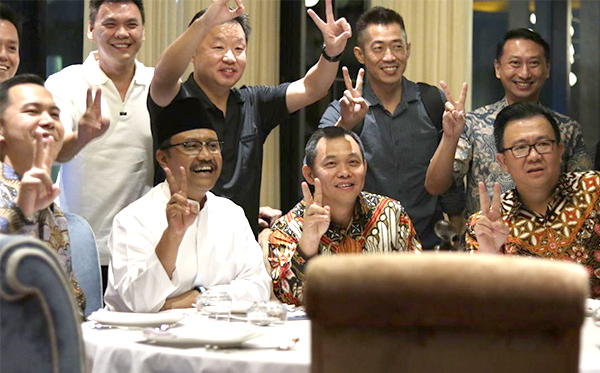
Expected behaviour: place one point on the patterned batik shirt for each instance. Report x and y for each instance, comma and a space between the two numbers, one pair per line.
570, 230
379, 225
48, 225
476, 153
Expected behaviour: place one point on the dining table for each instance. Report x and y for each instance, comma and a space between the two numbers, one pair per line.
128, 349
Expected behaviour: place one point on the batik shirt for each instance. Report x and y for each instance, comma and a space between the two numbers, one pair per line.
570, 229
48, 225
379, 225
476, 153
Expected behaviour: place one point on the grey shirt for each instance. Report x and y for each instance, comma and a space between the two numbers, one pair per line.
398, 147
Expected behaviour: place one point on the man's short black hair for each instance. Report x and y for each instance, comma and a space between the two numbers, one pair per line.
328, 133
242, 19
377, 16
8, 14
523, 33
96, 4
521, 110
12, 82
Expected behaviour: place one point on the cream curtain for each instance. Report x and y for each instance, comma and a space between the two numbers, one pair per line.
441, 34
167, 19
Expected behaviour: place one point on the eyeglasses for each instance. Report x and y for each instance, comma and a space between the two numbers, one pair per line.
195, 147
523, 150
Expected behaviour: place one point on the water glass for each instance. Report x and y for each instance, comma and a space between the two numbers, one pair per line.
267, 313
216, 304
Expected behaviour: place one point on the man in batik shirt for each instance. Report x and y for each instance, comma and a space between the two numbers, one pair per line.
31, 136
522, 64
549, 214
338, 218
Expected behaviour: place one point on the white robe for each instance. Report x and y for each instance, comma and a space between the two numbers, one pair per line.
218, 251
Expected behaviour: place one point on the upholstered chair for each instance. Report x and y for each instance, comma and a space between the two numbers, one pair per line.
86, 263
445, 312
39, 321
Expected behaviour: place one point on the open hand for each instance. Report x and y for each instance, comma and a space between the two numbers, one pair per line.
92, 124
453, 120
218, 12
181, 213
335, 33
490, 229
37, 190
353, 106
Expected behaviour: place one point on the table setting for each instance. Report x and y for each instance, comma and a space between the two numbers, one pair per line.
246, 337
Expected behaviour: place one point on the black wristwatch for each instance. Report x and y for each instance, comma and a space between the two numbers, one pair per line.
201, 289
329, 58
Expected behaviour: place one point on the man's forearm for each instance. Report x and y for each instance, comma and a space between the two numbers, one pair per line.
70, 148
173, 62
167, 250
439, 173
313, 86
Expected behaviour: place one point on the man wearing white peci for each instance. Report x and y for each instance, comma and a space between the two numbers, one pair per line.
161, 261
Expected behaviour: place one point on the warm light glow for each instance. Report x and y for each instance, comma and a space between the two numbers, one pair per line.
310, 3
532, 19
572, 31
572, 79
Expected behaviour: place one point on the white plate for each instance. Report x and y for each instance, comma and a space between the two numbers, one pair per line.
216, 333
134, 319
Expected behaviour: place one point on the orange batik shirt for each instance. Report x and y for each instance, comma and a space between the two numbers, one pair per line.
570, 229
379, 225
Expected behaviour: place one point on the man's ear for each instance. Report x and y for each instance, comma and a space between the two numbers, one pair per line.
90, 31
308, 175
358, 54
161, 158
497, 68
502, 161
408, 50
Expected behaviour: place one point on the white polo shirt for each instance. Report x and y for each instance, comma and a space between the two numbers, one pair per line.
116, 169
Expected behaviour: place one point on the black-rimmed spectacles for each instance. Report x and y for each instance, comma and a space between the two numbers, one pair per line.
523, 150
195, 147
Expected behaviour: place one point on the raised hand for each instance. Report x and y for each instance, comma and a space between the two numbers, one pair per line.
92, 124
218, 12
316, 219
353, 106
181, 213
335, 33
453, 119
490, 230
37, 190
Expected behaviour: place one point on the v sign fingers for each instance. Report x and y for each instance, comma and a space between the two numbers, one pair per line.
173, 184
318, 196
308, 199
495, 213
484, 200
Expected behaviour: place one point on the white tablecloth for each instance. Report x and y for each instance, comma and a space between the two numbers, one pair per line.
118, 350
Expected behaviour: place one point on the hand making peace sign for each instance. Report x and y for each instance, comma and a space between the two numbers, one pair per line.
490, 229
316, 219
92, 124
181, 212
353, 106
219, 12
454, 114
335, 33
37, 190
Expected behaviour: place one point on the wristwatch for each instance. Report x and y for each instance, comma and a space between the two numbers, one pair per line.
201, 289
329, 58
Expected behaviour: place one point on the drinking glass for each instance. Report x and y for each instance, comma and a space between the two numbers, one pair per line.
216, 304
267, 313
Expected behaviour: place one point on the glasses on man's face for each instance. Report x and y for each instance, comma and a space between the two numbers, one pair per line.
195, 147
523, 150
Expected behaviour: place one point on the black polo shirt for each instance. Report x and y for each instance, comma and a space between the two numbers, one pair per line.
252, 112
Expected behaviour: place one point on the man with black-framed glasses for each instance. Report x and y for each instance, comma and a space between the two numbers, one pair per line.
549, 214
165, 260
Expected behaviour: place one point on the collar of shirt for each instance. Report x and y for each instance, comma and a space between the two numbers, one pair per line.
410, 93
234, 94
98, 77
512, 203
8, 172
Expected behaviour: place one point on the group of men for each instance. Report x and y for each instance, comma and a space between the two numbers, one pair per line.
384, 166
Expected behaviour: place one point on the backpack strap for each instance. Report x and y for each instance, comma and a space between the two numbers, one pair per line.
433, 104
